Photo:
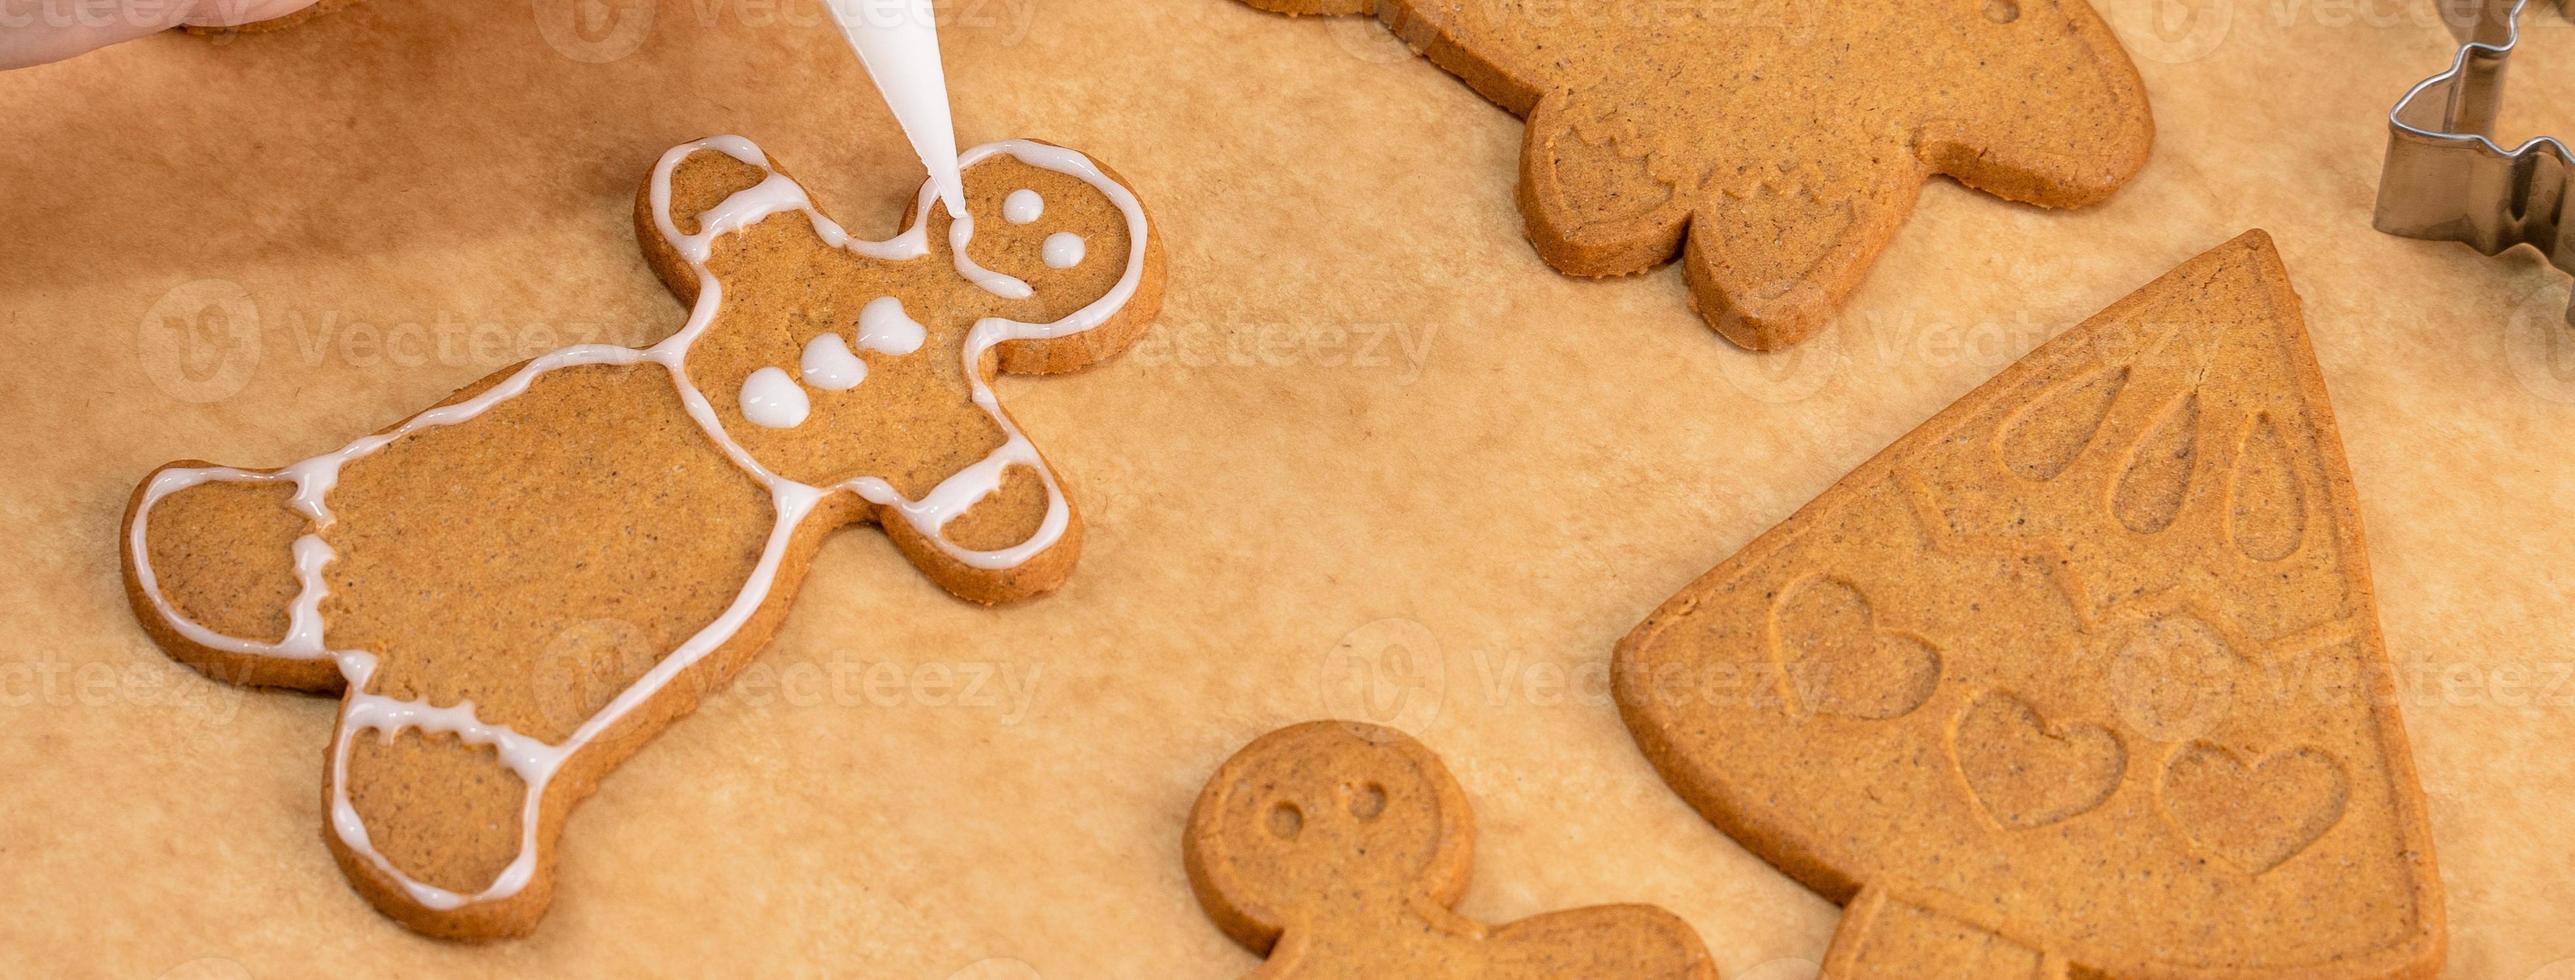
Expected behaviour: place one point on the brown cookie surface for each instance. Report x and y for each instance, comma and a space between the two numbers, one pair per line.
1336, 849
1777, 147
515, 589
2082, 677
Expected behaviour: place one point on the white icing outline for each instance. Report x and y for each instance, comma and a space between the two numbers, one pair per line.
536, 762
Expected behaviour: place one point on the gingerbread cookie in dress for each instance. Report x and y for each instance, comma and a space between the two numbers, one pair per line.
1776, 147
2081, 678
515, 589
1336, 849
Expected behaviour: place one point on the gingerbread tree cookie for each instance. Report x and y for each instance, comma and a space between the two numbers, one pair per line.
1776, 147
517, 588
2081, 678
1336, 849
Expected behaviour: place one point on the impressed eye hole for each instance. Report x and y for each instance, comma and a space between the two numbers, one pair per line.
1286, 821
1367, 800
2002, 11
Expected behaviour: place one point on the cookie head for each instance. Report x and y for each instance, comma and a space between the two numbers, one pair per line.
1070, 240
841, 362
1320, 815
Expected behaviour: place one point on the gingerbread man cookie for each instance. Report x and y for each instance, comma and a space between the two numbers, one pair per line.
1336, 849
1776, 147
515, 589
2082, 678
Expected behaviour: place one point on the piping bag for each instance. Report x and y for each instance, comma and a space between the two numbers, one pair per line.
898, 42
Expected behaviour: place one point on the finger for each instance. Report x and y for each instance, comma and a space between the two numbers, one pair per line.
55, 31
234, 13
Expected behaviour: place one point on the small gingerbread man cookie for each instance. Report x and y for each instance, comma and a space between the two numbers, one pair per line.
1337, 848
517, 588
1777, 147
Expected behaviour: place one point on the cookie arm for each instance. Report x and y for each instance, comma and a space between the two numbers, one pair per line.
1639, 941
1771, 266
1018, 542
1499, 58
218, 568
1883, 937
2059, 124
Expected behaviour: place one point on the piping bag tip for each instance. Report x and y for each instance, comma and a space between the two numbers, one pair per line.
898, 42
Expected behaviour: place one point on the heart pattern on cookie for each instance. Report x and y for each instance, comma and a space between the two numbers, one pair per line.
2124, 550
2253, 816
2027, 772
1839, 661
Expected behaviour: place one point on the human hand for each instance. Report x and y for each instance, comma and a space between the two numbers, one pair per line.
34, 32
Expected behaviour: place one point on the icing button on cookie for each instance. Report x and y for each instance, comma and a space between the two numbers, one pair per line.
771, 398
829, 365
884, 327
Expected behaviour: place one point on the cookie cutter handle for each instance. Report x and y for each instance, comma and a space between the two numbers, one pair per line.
2485, 31
2446, 178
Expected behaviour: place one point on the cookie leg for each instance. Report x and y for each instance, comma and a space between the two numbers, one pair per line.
1594, 205
1636, 942
215, 563
433, 827
1883, 937
1769, 267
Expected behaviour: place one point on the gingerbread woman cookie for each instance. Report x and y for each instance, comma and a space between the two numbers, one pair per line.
1776, 147
1336, 849
2081, 678
515, 589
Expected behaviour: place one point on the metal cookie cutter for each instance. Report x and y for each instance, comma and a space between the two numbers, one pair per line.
2447, 179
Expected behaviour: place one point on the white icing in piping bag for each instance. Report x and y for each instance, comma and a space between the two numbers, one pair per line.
898, 42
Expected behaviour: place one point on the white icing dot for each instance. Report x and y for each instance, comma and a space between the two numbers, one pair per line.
771, 398
1063, 250
830, 366
884, 327
1022, 206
